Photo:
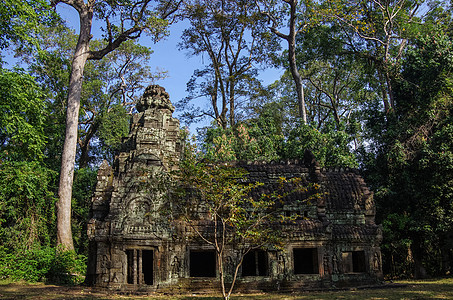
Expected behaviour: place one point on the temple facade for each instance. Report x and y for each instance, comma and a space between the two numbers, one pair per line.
134, 247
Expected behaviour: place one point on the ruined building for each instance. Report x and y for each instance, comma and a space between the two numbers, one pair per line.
132, 246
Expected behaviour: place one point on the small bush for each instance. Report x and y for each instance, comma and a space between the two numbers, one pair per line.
42, 264
68, 268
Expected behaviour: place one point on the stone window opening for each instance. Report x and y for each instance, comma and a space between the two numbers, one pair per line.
305, 261
202, 263
140, 266
255, 263
354, 262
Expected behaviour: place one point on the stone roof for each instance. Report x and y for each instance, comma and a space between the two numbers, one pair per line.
343, 188
356, 232
305, 228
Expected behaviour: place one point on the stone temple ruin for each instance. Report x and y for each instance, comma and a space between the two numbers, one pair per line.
132, 247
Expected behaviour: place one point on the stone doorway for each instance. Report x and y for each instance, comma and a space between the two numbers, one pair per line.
140, 266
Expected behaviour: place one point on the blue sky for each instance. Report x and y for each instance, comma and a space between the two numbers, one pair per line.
167, 57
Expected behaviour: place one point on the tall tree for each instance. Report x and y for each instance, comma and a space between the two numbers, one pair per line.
123, 21
231, 34
336, 81
378, 31
289, 14
411, 167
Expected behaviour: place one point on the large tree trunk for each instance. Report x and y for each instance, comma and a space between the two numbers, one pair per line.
291, 38
64, 233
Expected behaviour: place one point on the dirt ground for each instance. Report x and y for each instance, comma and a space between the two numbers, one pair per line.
426, 289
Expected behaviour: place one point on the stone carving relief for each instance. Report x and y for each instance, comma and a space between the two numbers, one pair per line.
326, 264
281, 265
376, 262
175, 267
335, 264
137, 217
229, 265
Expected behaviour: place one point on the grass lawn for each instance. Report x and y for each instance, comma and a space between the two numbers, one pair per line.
410, 289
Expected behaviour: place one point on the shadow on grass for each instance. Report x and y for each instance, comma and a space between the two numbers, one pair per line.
426, 289
40, 291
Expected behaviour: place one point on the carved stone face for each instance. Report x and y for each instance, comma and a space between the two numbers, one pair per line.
155, 96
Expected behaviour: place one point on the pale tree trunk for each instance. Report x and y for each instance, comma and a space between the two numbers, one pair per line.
291, 39
292, 62
232, 111
64, 233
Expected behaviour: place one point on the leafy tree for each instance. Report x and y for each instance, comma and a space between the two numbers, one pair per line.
378, 31
22, 117
337, 83
238, 213
20, 22
411, 165
140, 17
231, 34
331, 148
258, 139
295, 16
27, 212
27, 206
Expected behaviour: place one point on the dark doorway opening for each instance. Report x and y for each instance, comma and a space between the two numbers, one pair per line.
255, 263
202, 263
354, 262
140, 266
130, 266
147, 266
358, 261
305, 261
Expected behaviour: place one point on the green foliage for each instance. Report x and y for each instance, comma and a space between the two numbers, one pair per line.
263, 139
82, 192
68, 267
412, 170
31, 265
27, 205
330, 148
21, 116
114, 125
42, 264
20, 21
247, 141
